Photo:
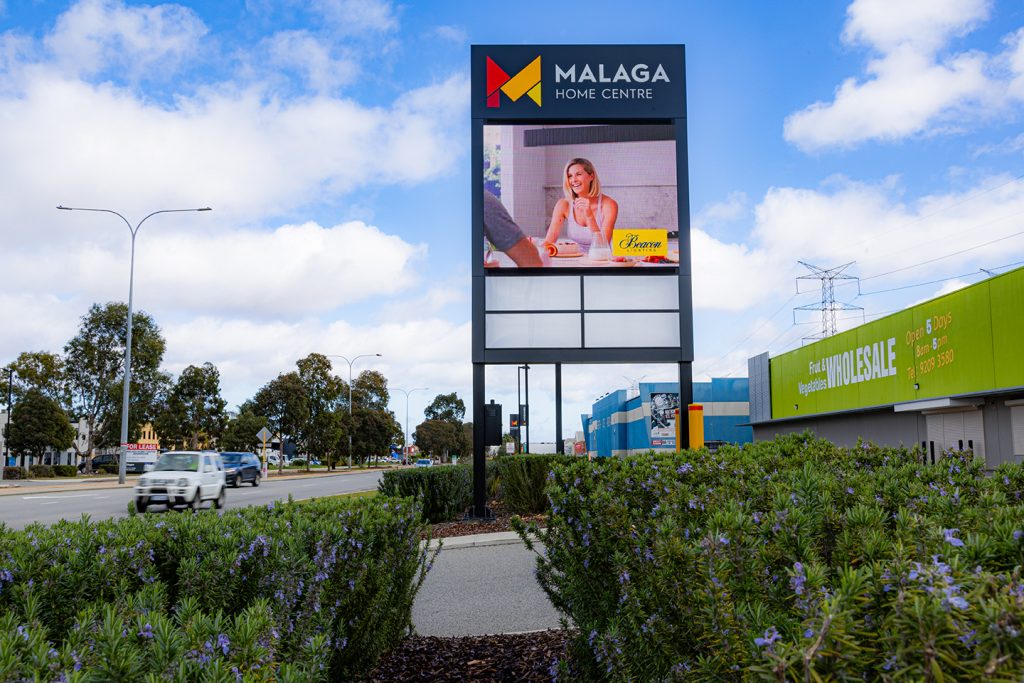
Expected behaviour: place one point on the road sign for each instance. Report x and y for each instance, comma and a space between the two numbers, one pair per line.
264, 434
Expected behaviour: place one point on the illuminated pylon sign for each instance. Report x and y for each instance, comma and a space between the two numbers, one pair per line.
526, 82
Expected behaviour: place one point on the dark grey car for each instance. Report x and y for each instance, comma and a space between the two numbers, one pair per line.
241, 468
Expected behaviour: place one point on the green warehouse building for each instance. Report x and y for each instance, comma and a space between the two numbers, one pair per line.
945, 374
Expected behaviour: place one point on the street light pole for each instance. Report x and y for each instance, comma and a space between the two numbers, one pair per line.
7, 432
350, 362
123, 457
405, 446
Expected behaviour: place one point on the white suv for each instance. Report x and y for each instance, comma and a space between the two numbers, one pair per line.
182, 478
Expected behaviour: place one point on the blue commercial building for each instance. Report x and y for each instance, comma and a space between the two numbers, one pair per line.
624, 422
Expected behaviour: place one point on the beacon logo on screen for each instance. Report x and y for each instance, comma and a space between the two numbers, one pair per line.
526, 82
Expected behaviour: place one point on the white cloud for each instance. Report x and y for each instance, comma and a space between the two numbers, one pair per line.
911, 87
886, 25
869, 224
245, 156
250, 354
94, 35
734, 206
354, 17
946, 288
312, 57
452, 34
291, 272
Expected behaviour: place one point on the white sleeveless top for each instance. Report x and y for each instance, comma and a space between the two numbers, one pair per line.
582, 234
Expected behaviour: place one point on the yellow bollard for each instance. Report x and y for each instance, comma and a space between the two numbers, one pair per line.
696, 426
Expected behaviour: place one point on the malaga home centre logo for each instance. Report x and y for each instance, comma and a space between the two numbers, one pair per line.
526, 82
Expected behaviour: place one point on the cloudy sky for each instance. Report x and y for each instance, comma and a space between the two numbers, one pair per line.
331, 138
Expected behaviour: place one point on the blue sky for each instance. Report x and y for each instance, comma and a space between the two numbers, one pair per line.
331, 138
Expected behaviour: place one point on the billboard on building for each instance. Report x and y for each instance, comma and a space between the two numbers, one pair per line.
961, 343
664, 407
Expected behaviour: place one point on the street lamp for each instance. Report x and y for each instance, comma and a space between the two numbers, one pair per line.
405, 445
123, 457
350, 362
7, 433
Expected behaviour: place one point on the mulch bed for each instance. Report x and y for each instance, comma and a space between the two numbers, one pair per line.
502, 521
525, 657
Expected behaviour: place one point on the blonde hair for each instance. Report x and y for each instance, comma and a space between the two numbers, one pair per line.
595, 184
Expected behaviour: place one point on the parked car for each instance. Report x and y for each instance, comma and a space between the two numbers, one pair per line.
182, 478
424, 462
99, 461
274, 460
240, 468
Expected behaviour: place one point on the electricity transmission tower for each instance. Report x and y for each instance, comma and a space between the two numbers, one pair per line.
828, 305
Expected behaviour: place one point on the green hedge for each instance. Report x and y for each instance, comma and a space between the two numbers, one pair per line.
14, 473
443, 492
65, 470
109, 469
41, 471
341, 571
521, 480
788, 560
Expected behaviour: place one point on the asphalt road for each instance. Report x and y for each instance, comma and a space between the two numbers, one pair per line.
22, 506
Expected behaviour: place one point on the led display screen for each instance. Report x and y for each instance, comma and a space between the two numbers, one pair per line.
572, 196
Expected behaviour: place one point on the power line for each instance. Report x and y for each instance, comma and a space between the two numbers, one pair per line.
714, 364
945, 256
945, 279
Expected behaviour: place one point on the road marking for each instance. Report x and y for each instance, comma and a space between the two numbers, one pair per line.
44, 497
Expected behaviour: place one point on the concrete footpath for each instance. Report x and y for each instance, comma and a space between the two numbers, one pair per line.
482, 584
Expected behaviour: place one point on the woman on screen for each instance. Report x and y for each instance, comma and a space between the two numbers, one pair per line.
584, 210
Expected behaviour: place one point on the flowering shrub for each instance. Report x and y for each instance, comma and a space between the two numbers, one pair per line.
41, 471
788, 560
344, 571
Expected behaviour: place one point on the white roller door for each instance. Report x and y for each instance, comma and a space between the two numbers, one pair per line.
955, 431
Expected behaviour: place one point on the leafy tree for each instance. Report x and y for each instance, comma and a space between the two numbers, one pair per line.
38, 423
325, 426
285, 405
446, 407
43, 372
375, 431
440, 438
147, 399
370, 390
192, 414
94, 363
240, 433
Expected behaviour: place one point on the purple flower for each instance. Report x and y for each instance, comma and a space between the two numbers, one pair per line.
223, 643
770, 636
951, 539
147, 631
797, 582
1017, 533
